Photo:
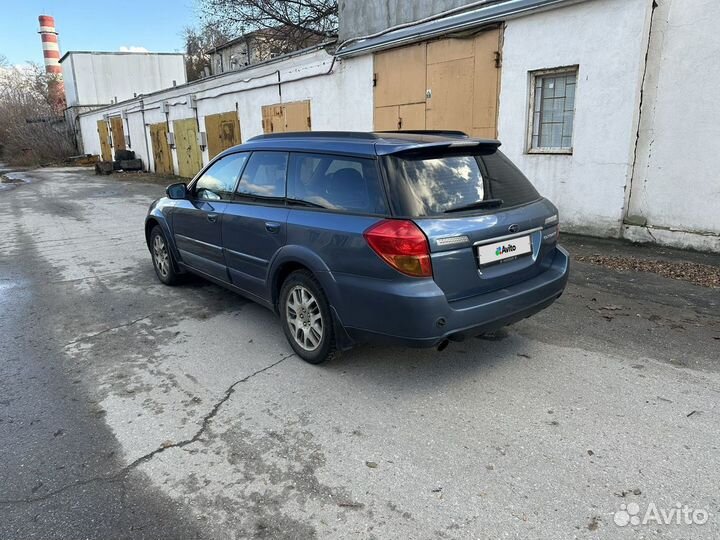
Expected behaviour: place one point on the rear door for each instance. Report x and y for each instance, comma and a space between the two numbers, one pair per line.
254, 226
483, 219
197, 221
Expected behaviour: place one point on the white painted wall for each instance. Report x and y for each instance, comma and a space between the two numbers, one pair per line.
676, 186
96, 78
676, 182
341, 100
608, 40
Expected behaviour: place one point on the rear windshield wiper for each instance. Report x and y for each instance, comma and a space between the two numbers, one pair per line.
487, 203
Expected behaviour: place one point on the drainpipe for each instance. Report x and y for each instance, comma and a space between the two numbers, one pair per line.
147, 146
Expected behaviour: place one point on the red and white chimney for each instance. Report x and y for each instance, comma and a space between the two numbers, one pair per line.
51, 52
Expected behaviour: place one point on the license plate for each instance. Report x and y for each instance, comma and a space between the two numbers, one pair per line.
502, 251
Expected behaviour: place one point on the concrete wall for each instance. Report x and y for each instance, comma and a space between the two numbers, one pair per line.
340, 100
363, 17
93, 78
676, 181
607, 39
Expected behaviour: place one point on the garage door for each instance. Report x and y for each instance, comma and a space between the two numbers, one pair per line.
282, 117
400, 88
223, 132
160, 148
104, 135
118, 132
449, 84
187, 148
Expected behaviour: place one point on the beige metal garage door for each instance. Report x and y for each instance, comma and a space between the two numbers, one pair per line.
104, 135
223, 132
445, 84
161, 149
118, 132
400, 76
282, 117
187, 148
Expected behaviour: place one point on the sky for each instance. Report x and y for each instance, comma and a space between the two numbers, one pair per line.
99, 25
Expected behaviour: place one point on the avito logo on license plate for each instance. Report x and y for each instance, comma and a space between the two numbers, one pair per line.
500, 251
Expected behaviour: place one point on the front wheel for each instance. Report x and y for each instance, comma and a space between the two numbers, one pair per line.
306, 318
162, 257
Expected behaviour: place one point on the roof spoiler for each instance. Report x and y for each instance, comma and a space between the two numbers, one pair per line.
457, 146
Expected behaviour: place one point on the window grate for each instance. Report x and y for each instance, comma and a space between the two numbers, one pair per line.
553, 110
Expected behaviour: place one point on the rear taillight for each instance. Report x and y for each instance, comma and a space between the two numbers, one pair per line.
402, 245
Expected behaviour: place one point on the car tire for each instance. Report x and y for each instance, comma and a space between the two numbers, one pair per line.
163, 260
306, 318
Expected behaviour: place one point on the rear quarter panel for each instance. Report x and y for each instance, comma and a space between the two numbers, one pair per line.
333, 247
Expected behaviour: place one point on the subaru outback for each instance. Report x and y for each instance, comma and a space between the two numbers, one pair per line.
417, 238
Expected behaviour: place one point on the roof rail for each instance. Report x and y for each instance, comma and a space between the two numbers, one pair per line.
318, 134
445, 132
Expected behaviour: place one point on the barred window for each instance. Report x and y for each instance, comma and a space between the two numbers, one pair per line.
552, 108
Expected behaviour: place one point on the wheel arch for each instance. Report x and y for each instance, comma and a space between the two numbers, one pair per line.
292, 258
150, 223
157, 219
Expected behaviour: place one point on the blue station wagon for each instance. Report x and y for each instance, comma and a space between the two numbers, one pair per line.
418, 238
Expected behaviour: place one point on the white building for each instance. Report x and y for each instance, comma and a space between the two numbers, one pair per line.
606, 105
102, 78
97, 79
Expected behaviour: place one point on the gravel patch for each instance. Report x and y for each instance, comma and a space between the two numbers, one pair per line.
700, 274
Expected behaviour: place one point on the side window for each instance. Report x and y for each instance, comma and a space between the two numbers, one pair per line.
336, 183
218, 182
264, 175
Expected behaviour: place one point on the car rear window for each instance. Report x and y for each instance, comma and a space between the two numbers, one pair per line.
430, 185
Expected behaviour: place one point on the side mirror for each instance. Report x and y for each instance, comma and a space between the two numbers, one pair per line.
177, 191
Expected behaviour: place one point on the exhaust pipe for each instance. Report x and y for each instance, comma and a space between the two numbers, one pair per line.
443, 345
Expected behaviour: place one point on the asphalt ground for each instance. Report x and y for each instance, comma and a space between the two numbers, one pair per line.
133, 410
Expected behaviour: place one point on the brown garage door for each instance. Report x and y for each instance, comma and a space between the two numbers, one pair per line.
444, 84
118, 132
104, 135
282, 117
223, 132
400, 88
187, 148
161, 149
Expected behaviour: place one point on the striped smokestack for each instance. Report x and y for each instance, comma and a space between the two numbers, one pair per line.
51, 52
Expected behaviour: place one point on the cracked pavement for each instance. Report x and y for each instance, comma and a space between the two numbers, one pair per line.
133, 410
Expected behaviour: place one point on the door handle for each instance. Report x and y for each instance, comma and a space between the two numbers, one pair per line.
272, 227
212, 218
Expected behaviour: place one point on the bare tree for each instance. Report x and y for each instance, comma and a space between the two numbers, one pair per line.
299, 23
198, 43
31, 129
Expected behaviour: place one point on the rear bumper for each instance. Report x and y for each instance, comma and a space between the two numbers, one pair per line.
418, 314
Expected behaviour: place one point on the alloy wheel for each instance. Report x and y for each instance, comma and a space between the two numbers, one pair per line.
304, 318
161, 256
